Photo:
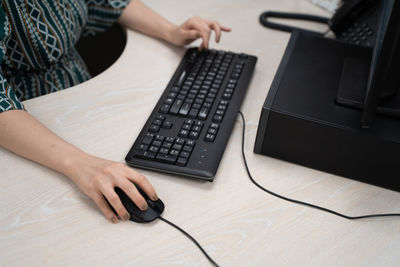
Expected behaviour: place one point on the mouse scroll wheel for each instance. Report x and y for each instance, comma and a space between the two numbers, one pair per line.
151, 204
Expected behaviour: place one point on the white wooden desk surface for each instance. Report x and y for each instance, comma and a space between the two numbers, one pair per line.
45, 220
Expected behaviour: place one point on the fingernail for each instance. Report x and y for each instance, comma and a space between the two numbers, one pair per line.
126, 216
114, 220
144, 206
155, 197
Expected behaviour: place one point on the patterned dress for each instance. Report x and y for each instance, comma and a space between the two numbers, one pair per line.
37, 39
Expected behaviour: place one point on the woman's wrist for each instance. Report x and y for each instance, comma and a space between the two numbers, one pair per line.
169, 33
72, 161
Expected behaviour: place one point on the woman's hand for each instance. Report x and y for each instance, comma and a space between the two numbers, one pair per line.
97, 178
195, 28
137, 16
24, 135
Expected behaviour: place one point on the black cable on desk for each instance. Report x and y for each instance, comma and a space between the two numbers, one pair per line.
298, 201
191, 238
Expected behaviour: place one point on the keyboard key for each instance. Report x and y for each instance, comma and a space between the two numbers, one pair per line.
176, 106
194, 135
220, 112
189, 121
187, 148
143, 147
145, 154
224, 102
183, 133
207, 105
174, 152
212, 131
169, 101
181, 161
147, 139
185, 154
153, 149
226, 96
177, 147
167, 145
199, 123
156, 143
175, 89
221, 107
217, 118
235, 76
180, 141
190, 142
165, 108
157, 122
196, 128
154, 128
186, 126
166, 158
172, 95
164, 150
184, 109
167, 125
159, 138
160, 117
203, 113
209, 137
194, 112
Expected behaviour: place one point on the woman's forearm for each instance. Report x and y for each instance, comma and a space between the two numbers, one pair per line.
137, 16
24, 135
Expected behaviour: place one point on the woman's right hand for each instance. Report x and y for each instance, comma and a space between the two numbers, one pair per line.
98, 177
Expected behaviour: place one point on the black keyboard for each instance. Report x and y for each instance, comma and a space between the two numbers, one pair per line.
189, 128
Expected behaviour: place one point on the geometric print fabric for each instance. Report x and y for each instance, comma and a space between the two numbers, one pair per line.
37, 44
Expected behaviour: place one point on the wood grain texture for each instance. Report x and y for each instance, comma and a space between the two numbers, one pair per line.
45, 220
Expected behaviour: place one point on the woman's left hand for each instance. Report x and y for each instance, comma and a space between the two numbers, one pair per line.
195, 28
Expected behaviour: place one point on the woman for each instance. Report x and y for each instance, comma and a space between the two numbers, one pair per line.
38, 56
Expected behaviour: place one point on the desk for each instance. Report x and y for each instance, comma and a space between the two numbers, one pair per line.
46, 220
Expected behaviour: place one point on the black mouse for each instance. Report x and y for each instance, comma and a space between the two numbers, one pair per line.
154, 210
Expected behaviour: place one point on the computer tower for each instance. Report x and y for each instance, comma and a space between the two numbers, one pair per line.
301, 121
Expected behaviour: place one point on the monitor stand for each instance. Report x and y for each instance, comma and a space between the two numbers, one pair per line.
353, 86
301, 121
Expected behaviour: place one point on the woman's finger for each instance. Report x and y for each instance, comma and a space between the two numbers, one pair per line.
116, 203
204, 30
105, 208
142, 182
205, 35
216, 27
225, 29
191, 35
129, 188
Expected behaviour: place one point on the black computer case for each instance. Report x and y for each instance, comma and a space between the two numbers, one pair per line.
301, 121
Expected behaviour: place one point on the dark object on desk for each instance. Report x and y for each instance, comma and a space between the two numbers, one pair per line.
101, 50
355, 21
301, 122
154, 210
189, 128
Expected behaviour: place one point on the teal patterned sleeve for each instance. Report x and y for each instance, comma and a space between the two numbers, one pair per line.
102, 14
8, 99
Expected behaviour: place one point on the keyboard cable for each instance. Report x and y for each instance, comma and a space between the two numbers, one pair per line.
298, 201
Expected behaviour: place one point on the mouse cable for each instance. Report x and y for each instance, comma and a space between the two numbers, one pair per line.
298, 201
191, 238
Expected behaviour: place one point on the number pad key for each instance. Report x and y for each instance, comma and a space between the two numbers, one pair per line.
167, 149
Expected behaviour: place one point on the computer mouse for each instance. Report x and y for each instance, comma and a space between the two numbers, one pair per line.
154, 210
